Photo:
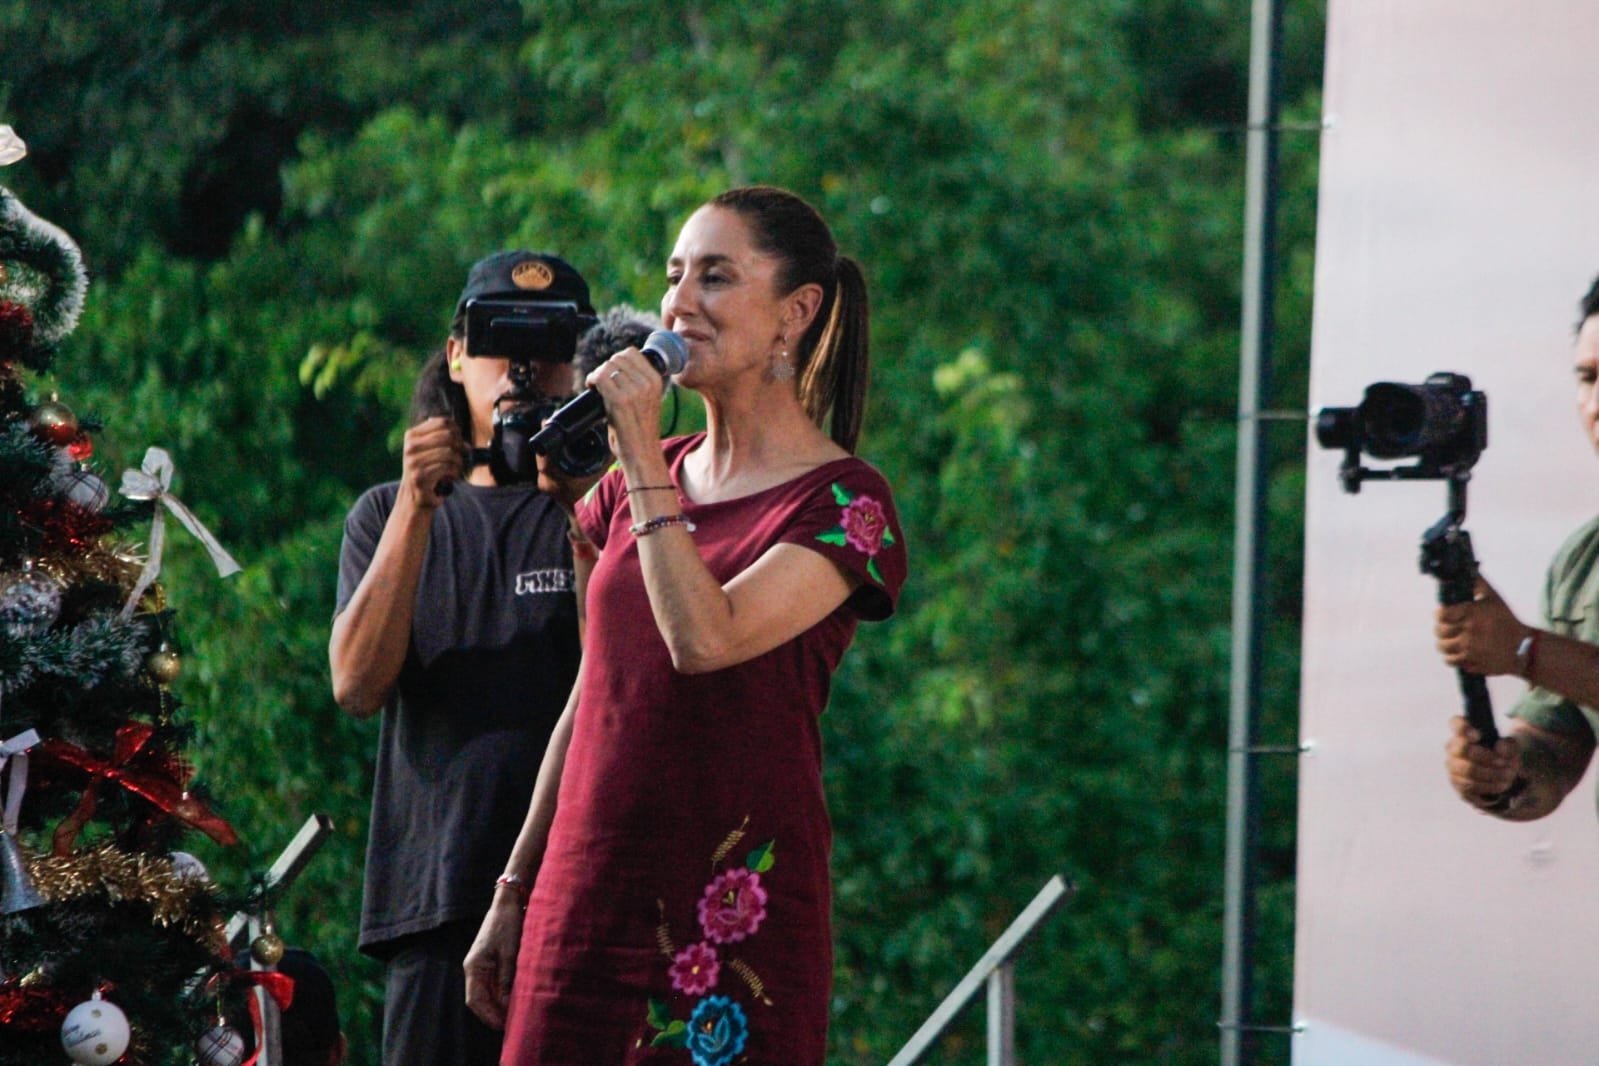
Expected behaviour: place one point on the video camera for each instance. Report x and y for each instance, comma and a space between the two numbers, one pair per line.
1442, 424
528, 332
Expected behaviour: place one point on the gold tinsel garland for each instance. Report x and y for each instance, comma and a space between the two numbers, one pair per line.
113, 564
118, 876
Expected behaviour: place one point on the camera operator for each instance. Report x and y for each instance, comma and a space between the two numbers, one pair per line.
1551, 740
457, 618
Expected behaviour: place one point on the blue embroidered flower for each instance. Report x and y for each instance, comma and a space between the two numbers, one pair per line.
717, 1031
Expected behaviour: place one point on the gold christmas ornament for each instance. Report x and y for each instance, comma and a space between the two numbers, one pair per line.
164, 664
54, 421
267, 949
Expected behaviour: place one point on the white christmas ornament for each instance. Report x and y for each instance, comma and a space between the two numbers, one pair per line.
220, 1046
186, 867
95, 1032
83, 488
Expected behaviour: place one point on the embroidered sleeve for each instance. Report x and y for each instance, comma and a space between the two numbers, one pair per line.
850, 518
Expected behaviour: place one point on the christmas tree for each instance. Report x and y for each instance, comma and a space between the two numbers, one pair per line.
112, 943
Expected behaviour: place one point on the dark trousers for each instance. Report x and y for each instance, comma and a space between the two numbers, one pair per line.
425, 1020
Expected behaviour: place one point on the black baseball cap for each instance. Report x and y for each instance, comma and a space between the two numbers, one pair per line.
310, 1027
523, 275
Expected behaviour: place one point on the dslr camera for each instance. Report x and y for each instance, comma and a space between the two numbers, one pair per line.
1441, 423
528, 332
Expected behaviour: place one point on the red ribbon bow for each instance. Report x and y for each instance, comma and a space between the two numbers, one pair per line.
280, 986
162, 784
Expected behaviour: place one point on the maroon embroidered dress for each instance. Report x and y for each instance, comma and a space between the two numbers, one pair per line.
682, 911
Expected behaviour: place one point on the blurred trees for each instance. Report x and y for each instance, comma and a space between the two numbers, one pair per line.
280, 202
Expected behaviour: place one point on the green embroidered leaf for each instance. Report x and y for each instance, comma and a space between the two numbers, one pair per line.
888, 537
675, 1035
840, 495
761, 859
660, 1018
871, 568
833, 536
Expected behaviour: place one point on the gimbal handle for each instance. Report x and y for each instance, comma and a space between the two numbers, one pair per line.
1446, 554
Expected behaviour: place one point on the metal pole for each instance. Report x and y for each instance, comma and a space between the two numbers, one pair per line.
1002, 1015
1256, 329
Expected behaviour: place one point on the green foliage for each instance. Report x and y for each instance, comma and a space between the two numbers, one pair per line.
1047, 201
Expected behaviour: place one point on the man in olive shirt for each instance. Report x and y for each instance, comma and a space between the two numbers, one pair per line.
1551, 736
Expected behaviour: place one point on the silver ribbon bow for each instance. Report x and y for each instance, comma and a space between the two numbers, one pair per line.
150, 483
11, 146
15, 752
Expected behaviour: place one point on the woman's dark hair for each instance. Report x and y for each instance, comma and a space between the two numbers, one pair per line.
832, 359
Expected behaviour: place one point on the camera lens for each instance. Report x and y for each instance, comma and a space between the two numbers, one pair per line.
1401, 420
1335, 427
584, 454
1393, 417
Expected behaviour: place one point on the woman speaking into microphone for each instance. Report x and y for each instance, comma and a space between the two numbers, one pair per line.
673, 867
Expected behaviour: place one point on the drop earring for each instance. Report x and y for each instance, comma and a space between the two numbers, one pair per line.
782, 366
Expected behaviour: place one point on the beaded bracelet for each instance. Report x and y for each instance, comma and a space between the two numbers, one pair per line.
517, 883
644, 529
650, 488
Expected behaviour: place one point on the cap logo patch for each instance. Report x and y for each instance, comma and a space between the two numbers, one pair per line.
532, 274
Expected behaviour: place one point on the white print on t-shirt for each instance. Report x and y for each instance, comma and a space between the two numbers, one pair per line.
543, 582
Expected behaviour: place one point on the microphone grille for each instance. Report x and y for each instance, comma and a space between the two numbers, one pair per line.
672, 349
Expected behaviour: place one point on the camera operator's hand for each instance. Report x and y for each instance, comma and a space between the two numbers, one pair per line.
564, 490
1482, 636
1480, 774
433, 455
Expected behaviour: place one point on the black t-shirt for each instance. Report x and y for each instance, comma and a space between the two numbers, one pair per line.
494, 650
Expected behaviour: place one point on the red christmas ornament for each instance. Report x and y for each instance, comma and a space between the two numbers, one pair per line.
82, 447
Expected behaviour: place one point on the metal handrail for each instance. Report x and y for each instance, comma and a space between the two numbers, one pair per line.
245, 926
996, 970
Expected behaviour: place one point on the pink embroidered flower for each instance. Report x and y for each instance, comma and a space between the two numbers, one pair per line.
694, 970
733, 907
864, 522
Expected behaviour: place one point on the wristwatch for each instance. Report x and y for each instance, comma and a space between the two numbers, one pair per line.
1506, 800
1527, 654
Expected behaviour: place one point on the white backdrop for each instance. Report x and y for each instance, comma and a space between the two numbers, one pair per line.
1458, 226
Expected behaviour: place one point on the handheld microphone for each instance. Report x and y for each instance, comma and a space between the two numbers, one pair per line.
666, 352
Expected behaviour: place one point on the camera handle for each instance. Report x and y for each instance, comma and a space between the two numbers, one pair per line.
1446, 555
